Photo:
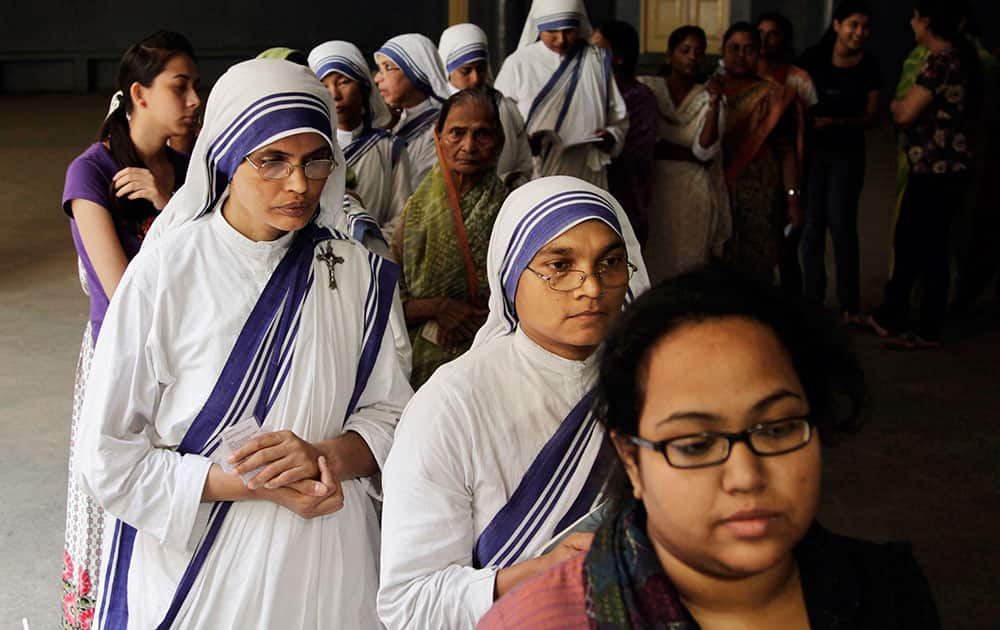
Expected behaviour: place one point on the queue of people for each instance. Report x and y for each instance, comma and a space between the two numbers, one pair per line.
381, 350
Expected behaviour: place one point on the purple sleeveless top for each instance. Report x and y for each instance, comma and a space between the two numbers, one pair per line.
89, 177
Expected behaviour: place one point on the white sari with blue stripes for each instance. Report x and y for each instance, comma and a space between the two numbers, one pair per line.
208, 327
499, 450
570, 96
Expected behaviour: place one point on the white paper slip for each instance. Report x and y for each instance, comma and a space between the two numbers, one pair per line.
236, 437
589, 140
587, 523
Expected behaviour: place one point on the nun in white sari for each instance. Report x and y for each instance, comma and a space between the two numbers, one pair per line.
245, 308
499, 451
465, 54
575, 115
379, 160
410, 77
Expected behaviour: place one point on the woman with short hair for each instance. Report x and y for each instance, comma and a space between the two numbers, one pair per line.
717, 395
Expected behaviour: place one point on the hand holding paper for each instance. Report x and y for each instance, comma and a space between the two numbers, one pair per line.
276, 459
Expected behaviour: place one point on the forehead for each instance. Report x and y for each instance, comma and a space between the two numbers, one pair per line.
720, 365
179, 64
591, 234
385, 62
741, 38
469, 112
298, 144
857, 18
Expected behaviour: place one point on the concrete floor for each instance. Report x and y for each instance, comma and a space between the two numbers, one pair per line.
925, 468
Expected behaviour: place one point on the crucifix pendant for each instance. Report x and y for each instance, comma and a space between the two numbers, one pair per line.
331, 260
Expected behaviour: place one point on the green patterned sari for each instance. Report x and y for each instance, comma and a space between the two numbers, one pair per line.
431, 256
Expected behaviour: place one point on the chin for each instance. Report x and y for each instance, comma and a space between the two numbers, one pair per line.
740, 560
290, 224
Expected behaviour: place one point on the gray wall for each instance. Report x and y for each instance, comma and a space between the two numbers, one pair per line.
67, 45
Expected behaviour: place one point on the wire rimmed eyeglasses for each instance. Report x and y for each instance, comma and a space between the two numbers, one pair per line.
610, 274
274, 170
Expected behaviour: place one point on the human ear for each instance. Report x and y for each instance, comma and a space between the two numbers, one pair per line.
137, 92
627, 453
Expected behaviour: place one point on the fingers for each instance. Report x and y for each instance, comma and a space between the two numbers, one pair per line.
309, 487
288, 476
270, 472
130, 172
579, 541
335, 500
260, 458
256, 444
325, 474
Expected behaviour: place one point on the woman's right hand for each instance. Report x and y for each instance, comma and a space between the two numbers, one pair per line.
309, 498
569, 547
459, 319
510, 577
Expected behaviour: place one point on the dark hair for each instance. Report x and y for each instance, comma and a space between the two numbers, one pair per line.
624, 40
482, 95
742, 27
945, 18
681, 33
844, 10
787, 31
830, 374
141, 63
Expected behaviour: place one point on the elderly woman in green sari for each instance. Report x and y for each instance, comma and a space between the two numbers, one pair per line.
442, 241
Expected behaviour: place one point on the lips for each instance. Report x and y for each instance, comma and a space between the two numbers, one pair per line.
751, 524
587, 315
292, 209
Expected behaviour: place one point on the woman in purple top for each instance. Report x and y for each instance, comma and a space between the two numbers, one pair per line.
113, 192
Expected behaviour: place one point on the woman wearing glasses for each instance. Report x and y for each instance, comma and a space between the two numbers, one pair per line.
499, 450
441, 243
244, 313
717, 396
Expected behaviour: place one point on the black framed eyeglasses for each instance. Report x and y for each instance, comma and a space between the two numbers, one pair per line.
611, 275
274, 170
700, 450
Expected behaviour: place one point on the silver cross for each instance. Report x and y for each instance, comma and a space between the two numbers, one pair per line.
331, 260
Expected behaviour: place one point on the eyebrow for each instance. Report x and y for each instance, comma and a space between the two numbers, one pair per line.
281, 154
569, 251
759, 407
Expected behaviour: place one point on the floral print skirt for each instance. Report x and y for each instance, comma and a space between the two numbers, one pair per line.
84, 521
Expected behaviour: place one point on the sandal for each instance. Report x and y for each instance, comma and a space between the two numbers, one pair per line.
911, 341
872, 324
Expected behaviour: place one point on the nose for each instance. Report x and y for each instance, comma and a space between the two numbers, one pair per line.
194, 101
468, 144
297, 181
591, 287
743, 472
474, 78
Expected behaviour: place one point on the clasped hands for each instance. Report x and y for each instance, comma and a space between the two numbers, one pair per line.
295, 474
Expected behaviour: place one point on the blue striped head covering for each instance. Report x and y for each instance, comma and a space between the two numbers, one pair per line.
533, 215
555, 15
417, 57
461, 44
345, 58
253, 104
